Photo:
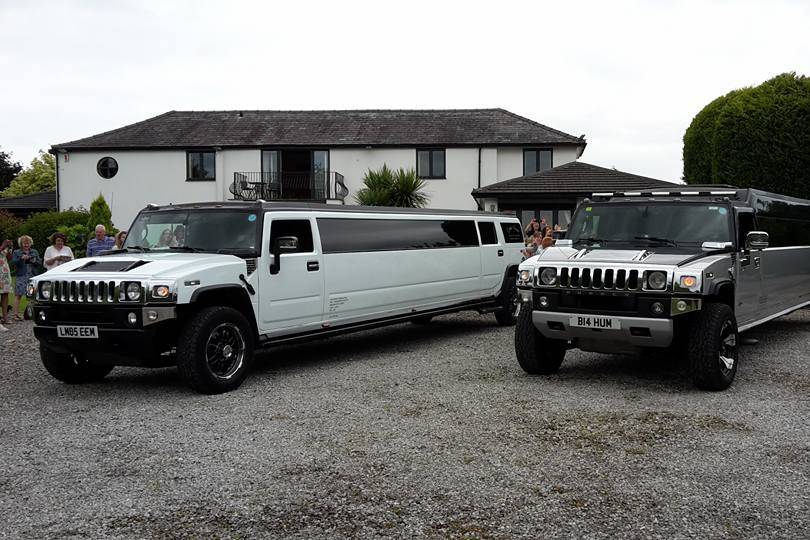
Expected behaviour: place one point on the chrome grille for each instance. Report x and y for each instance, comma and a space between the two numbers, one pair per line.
605, 279
85, 292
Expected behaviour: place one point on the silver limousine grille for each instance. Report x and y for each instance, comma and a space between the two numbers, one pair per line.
605, 279
87, 292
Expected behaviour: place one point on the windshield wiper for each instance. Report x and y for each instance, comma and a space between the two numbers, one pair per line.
591, 240
657, 240
185, 248
132, 248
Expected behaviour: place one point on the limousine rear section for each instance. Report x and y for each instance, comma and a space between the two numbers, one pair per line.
247, 275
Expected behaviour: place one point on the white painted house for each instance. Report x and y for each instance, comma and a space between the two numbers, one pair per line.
189, 156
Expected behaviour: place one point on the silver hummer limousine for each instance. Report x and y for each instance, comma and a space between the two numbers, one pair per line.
659, 269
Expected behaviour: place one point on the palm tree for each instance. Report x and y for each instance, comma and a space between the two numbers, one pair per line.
384, 187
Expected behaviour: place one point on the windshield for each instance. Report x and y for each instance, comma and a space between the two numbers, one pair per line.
195, 230
667, 224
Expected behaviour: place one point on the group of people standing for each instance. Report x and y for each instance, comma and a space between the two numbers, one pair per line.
27, 263
538, 235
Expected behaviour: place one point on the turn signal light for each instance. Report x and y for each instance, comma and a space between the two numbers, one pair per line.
688, 281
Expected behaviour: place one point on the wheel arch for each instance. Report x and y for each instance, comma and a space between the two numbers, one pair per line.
234, 296
722, 292
510, 273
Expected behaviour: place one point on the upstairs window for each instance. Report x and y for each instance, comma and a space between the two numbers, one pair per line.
201, 166
536, 160
430, 163
107, 167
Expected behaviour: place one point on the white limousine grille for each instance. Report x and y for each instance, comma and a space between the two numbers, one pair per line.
610, 279
88, 292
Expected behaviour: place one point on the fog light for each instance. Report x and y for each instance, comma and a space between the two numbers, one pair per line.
132, 319
657, 308
152, 315
543, 301
680, 305
41, 316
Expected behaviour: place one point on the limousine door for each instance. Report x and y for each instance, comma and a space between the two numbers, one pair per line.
748, 289
492, 257
292, 295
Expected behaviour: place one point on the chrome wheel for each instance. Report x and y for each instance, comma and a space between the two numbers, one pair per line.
728, 347
225, 350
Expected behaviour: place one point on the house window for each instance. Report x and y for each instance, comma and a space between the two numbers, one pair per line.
536, 160
430, 163
107, 167
200, 166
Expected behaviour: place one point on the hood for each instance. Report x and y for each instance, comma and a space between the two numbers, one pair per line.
139, 266
639, 256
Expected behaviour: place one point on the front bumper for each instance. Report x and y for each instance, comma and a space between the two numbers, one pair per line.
118, 342
634, 331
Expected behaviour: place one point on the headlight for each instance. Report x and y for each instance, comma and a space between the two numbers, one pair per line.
524, 276
45, 288
162, 292
657, 281
131, 292
548, 276
30, 290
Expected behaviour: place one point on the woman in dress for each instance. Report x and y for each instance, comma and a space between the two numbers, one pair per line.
27, 262
5, 281
57, 253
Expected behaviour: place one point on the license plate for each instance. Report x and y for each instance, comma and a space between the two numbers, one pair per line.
86, 332
598, 323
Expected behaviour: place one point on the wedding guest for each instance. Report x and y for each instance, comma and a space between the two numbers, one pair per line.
27, 262
100, 241
57, 253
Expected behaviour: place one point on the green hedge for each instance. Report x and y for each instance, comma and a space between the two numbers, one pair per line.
41, 226
754, 137
9, 227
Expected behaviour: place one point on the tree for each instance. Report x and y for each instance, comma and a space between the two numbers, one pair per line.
39, 176
384, 187
100, 214
755, 137
8, 169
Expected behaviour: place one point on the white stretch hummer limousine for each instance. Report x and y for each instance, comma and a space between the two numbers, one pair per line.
688, 269
201, 286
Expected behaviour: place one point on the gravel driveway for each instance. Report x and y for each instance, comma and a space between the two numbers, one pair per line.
424, 431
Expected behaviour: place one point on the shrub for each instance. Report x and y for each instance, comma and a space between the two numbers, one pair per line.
384, 187
100, 214
9, 226
77, 237
754, 137
41, 226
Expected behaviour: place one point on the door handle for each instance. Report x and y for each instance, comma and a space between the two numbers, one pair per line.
313, 266
500, 253
757, 262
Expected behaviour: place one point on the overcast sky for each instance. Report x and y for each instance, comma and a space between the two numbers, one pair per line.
628, 75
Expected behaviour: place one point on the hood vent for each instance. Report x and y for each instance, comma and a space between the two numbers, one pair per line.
110, 266
251, 265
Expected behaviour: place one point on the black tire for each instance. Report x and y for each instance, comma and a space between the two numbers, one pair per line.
71, 368
712, 344
509, 302
535, 353
424, 319
215, 350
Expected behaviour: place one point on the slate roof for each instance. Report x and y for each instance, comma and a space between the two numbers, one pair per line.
448, 127
573, 177
35, 201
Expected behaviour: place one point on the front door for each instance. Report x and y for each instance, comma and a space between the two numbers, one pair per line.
291, 299
492, 257
748, 289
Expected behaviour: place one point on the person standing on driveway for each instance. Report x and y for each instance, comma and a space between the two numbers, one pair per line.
57, 253
27, 262
5, 282
100, 242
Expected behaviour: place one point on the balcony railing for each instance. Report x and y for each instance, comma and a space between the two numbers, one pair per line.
290, 186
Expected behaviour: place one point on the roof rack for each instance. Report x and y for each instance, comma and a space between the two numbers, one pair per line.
669, 193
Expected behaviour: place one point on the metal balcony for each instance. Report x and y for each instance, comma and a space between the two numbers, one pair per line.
318, 186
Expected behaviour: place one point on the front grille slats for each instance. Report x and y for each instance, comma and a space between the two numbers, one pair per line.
603, 279
85, 292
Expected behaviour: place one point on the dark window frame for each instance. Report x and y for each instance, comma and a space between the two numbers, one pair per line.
188, 165
494, 232
430, 151
311, 242
537, 151
107, 168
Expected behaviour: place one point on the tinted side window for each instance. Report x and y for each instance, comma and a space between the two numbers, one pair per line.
488, 234
342, 235
784, 232
745, 222
512, 233
299, 228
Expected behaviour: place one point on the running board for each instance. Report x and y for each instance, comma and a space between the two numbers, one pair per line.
748, 326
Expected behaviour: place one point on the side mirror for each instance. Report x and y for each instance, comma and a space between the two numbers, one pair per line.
283, 244
564, 242
714, 246
756, 240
